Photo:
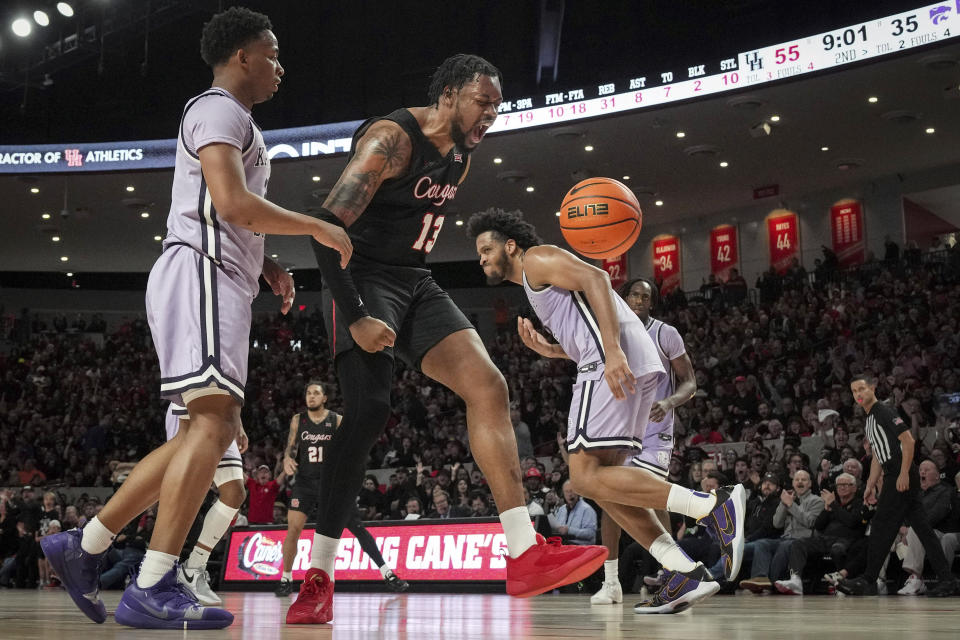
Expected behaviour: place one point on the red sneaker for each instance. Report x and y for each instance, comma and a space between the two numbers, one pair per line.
314, 605
548, 565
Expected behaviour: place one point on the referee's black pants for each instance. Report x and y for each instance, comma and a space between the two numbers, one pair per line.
893, 510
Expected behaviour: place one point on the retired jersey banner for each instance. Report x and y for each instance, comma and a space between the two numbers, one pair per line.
846, 227
666, 263
724, 251
616, 268
457, 550
783, 235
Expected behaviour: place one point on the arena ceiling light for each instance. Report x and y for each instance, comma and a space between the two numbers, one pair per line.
497, 160
21, 27
65, 9
41, 18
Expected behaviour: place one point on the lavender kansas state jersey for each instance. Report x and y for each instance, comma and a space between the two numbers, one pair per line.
215, 116
573, 323
669, 347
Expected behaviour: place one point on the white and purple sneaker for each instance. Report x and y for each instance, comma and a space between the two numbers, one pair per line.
79, 571
168, 605
726, 524
677, 594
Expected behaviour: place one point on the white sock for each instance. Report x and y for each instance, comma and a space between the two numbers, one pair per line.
670, 555
386, 571
690, 503
611, 571
96, 537
215, 524
519, 530
324, 553
287, 575
155, 565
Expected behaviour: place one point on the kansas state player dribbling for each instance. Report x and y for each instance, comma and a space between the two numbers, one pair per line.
198, 306
619, 371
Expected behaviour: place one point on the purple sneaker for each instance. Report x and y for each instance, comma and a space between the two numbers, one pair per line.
726, 525
79, 571
677, 593
167, 605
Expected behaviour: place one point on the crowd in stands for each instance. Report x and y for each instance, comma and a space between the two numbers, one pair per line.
773, 372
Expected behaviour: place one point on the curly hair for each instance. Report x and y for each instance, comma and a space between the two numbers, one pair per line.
456, 71
506, 225
230, 30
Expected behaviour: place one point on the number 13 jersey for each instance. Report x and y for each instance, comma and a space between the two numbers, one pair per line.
400, 225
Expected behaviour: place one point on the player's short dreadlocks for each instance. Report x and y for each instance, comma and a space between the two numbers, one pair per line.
456, 71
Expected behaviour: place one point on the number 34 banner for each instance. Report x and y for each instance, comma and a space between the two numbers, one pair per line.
666, 263
724, 251
783, 235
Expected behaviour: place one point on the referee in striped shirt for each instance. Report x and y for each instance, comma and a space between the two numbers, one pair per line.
892, 446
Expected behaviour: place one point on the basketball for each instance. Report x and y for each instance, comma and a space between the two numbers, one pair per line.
600, 218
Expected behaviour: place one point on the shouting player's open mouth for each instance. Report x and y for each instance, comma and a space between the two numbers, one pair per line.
476, 134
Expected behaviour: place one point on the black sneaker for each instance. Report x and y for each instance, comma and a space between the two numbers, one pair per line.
284, 589
396, 584
858, 587
944, 589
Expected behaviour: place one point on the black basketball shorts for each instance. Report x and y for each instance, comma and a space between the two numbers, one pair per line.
408, 299
305, 496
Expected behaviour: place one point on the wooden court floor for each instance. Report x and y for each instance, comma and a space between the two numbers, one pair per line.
259, 616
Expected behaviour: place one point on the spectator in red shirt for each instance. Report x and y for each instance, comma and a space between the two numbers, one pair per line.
263, 493
706, 435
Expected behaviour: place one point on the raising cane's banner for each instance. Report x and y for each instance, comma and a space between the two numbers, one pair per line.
783, 236
846, 228
616, 268
465, 550
666, 263
724, 251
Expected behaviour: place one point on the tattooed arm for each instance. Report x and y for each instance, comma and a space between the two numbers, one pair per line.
383, 152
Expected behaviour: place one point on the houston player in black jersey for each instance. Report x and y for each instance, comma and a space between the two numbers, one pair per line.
402, 171
304, 456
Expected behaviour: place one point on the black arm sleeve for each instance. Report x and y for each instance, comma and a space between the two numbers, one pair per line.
339, 280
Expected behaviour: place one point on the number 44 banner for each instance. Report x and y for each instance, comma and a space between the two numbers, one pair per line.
783, 235
724, 251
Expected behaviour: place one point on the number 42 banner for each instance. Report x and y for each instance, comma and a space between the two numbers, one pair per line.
724, 251
783, 235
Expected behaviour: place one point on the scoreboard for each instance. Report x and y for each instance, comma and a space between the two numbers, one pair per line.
823, 52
